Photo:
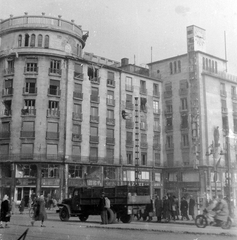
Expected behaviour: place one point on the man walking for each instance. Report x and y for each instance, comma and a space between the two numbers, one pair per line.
103, 209
191, 206
158, 207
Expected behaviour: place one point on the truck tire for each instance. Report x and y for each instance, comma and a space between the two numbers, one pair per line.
64, 214
126, 218
111, 216
83, 217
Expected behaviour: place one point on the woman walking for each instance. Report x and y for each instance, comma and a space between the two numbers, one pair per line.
39, 211
5, 211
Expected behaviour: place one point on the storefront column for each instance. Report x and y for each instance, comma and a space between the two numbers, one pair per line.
38, 180
66, 179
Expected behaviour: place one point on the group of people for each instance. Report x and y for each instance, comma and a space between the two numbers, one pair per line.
169, 208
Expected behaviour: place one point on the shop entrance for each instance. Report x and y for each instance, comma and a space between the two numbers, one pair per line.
24, 192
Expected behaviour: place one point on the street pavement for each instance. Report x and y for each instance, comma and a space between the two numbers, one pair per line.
20, 222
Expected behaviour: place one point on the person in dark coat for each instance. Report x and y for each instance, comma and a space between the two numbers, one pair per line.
149, 210
5, 211
172, 206
22, 206
176, 204
158, 208
103, 209
39, 211
184, 208
166, 208
191, 207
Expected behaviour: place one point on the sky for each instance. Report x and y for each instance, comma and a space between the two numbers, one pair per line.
131, 28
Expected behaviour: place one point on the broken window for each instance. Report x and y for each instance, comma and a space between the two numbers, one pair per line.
143, 104
92, 72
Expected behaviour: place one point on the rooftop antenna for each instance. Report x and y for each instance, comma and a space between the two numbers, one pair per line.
225, 50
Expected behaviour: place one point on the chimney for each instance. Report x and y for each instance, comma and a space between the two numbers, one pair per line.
124, 62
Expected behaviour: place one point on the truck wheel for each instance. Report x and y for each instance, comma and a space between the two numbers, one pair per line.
111, 216
126, 218
83, 218
63, 214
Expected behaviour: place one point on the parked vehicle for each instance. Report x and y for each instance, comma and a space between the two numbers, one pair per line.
205, 219
125, 201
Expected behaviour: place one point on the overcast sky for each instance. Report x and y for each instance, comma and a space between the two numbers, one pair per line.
128, 28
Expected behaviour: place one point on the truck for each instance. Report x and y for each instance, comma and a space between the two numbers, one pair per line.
125, 203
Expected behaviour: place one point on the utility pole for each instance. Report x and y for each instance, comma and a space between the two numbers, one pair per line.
136, 141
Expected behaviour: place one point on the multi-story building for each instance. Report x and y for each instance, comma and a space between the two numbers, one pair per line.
199, 102
69, 118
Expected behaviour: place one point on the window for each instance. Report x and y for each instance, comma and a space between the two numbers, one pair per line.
110, 133
170, 160
143, 138
183, 84
223, 104
29, 107
28, 129
78, 71
207, 67
156, 124
155, 89
128, 175
77, 108
156, 107
75, 171
53, 105
143, 104
4, 150
94, 111
52, 151
185, 141
32, 40
129, 138
128, 84
144, 175
184, 104
169, 122
94, 131
92, 73
216, 69
184, 121
31, 67
40, 40
20, 41
203, 63
54, 87
93, 153
171, 68
27, 150
27, 38
143, 124
52, 130
46, 41
222, 87
225, 123
156, 139
142, 86
172, 177
129, 158
110, 97
10, 66
144, 159
157, 159
8, 87
49, 171
109, 173
179, 66
55, 66
76, 153
110, 114
212, 66
110, 79
110, 155
129, 104
94, 94
169, 141
169, 106
26, 170
175, 67
233, 91
5, 130
30, 86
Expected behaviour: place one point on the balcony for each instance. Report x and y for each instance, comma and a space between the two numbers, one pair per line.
110, 121
5, 135
76, 137
156, 94
27, 156
129, 105
184, 127
27, 134
53, 113
93, 159
224, 110
95, 98
55, 72
110, 83
78, 95
169, 111
28, 112
30, 91
129, 88
7, 92
143, 91
157, 146
77, 116
223, 93
95, 80
8, 71
31, 70
129, 143
183, 91
52, 135
94, 139
94, 119
168, 94
110, 141
169, 128
129, 124
156, 128
78, 76
110, 102
144, 145
52, 157
143, 126
54, 92
156, 111
6, 113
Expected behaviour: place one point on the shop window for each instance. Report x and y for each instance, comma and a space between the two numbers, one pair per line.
109, 173
128, 175
75, 171
49, 171
26, 170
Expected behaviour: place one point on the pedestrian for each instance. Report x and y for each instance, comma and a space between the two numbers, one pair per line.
191, 207
13, 205
172, 206
149, 210
39, 211
222, 210
166, 208
176, 208
22, 206
158, 208
103, 209
5, 211
184, 208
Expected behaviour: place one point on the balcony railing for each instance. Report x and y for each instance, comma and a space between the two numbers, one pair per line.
110, 83
30, 91
169, 146
78, 95
94, 119
78, 76
95, 80
31, 70
28, 112
110, 102
8, 71
110, 141
54, 92
55, 71
53, 113
5, 135
27, 134
157, 146
129, 88
27, 156
6, 113
143, 126
129, 105
95, 98
129, 124
143, 91
223, 93
76, 137
7, 91
169, 128
77, 116
167, 94
156, 94
93, 159
94, 139
183, 91
144, 145
156, 129
110, 121
184, 126
129, 143
52, 135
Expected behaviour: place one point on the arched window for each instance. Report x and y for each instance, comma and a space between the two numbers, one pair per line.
171, 68
19, 40
179, 66
32, 40
203, 63
27, 38
40, 40
175, 67
46, 41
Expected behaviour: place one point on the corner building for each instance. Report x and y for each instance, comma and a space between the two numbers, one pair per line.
60, 113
